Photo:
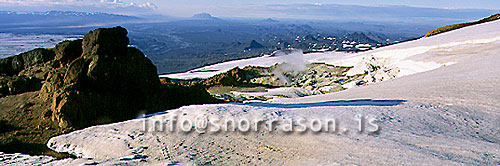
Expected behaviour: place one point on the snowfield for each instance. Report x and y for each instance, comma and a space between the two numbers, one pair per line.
442, 109
410, 131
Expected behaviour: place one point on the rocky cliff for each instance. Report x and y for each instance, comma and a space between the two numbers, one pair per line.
76, 84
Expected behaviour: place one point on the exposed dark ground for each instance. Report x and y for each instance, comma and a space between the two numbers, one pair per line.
24, 128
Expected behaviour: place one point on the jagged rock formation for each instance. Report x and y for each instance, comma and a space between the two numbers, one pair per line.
359, 37
108, 81
254, 45
15, 79
103, 81
76, 84
234, 77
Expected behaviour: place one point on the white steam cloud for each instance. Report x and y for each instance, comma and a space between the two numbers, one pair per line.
293, 62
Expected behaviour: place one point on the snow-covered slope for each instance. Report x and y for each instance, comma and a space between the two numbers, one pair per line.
443, 116
472, 79
410, 132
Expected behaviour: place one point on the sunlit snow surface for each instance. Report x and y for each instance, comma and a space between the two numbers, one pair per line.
446, 116
13, 44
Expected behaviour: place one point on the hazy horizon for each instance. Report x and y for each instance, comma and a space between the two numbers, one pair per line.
226, 8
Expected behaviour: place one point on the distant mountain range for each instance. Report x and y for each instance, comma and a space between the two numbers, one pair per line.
59, 18
361, 12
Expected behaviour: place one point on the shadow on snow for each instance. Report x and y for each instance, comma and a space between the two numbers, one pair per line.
357, 102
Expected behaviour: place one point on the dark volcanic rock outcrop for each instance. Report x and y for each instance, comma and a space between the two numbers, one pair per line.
23, 73
108, 82
233, 77
254, 45
15, 64
76, 84
68, 51
95, 80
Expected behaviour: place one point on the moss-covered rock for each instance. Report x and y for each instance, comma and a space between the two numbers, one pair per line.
458, 26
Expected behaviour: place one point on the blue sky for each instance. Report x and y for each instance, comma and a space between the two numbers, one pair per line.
221, 8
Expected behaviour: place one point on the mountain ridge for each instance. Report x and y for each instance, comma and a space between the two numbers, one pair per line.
461, 25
